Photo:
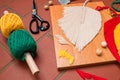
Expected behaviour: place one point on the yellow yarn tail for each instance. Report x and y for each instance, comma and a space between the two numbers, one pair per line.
63, 53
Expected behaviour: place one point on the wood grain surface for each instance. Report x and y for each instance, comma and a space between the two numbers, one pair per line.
88, 55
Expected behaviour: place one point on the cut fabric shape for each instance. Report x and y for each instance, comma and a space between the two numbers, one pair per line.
117, 37
80, 34
85, 75
109, 27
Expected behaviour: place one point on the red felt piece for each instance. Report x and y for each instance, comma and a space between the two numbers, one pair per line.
109, 27
85, 75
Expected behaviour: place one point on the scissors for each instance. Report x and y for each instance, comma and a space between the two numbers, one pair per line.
44, 25
113, 5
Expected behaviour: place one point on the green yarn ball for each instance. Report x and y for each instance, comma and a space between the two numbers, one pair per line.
20, 42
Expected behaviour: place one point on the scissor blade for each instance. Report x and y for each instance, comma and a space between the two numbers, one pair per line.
34, 6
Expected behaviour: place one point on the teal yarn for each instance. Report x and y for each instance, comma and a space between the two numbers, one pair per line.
20, 42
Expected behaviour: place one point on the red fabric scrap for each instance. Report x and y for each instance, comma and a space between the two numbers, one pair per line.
109, 27
85, 75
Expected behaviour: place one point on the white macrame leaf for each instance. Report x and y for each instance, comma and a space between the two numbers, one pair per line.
61, 39
80, 24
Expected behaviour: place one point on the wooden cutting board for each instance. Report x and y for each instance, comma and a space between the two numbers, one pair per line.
88, 55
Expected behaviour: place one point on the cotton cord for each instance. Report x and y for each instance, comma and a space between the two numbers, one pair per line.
9, 23
20, 42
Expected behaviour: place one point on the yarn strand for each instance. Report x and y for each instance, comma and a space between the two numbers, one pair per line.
20, 42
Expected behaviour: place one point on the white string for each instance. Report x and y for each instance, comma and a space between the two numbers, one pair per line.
86, 1
84, 11
61, 39
80, 34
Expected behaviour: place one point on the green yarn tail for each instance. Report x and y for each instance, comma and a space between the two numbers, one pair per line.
20, 42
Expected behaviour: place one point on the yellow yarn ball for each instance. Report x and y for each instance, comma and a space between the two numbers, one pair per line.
10, 22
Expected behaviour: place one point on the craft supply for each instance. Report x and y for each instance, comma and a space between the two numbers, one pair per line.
46, 7
63, 53
86, 1
84, 11
44, 25
5, 12
109, 27
80, 34
87, 76
110, 13
117, 37
61, 40
20, 42
104, 44
99, 52
10, 20
63, 2
88, 55
113, 5
50, 2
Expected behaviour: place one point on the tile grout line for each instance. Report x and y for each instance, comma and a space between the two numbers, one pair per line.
50, 35
30, 12
59, 75
7, 3
13, 11
6, 49
10, 2
42, 36
2, 6
62, 72
22, 16
46, 34
3, 47
6, 7
7, 65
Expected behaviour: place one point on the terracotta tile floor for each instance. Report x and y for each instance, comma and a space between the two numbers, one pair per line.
11, 69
